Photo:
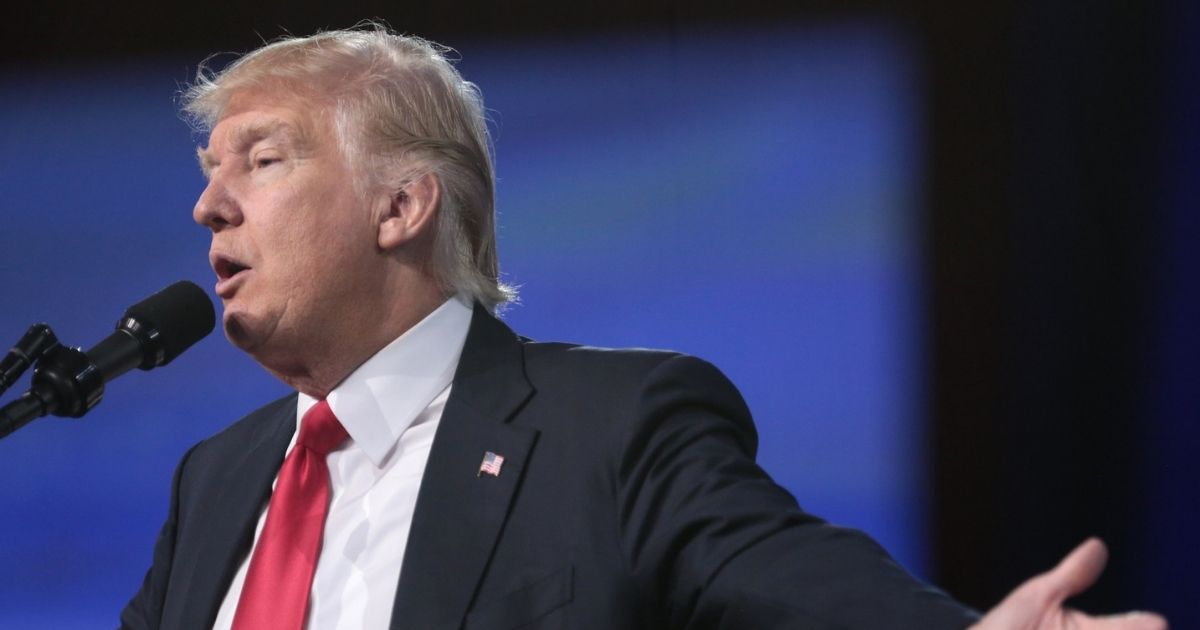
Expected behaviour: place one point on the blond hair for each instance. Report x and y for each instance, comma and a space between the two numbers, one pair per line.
401, 110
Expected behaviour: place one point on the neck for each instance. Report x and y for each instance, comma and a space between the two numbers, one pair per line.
329, 360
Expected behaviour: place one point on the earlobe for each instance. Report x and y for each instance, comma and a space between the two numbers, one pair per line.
410, 212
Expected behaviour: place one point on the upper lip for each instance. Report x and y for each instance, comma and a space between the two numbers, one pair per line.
226, 266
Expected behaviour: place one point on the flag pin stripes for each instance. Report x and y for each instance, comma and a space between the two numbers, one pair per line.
491, 464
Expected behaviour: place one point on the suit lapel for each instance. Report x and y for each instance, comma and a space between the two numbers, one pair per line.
228, 532
460, 512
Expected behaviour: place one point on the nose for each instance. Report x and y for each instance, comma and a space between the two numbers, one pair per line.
217, 209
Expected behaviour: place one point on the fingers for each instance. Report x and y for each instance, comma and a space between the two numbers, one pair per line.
1038, 602
1077, 571
1127, 621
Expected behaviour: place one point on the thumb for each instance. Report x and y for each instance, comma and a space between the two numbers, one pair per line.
1078, 570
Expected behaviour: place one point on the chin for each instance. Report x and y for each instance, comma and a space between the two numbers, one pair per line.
236, 332
259, 341
245, 332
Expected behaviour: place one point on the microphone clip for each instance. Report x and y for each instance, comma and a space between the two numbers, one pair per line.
66, 382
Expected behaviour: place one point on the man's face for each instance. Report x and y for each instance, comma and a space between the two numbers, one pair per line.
293, 245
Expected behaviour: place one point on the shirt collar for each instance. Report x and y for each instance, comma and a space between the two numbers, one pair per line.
382, 397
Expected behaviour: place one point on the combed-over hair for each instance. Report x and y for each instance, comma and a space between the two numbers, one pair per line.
401, 110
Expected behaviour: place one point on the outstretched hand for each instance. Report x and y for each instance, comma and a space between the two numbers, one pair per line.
1038, 603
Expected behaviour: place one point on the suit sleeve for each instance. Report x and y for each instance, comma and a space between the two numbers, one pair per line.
144, 610
720, 545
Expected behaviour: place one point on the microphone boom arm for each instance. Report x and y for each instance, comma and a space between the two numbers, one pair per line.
35, 342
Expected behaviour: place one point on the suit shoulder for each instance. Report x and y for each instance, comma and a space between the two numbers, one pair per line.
557, 353
620, 369
576, 360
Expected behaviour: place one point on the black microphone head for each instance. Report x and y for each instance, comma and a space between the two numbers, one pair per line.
169, 322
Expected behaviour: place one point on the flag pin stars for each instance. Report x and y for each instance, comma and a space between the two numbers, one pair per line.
491, 464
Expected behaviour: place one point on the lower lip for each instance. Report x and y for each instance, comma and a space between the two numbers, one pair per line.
226, 287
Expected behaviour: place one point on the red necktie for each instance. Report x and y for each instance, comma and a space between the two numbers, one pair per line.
275, 595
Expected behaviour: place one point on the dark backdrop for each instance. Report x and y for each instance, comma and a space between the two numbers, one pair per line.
1058, 252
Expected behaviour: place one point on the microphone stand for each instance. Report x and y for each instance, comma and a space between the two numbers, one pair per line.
36, 341
20, 412
66, 382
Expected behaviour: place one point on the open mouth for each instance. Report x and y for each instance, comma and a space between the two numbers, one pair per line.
227, 268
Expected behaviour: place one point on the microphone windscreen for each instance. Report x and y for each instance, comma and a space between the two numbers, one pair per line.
180, 315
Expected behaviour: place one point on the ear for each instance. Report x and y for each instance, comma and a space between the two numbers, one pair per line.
410, 212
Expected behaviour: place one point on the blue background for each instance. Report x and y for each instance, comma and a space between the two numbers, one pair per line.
756, 203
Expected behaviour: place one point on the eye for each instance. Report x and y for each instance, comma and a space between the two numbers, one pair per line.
265, 158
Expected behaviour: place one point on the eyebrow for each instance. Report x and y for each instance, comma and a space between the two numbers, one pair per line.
245, 135
206, 160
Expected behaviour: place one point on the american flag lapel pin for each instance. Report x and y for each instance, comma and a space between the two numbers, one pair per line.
491, 464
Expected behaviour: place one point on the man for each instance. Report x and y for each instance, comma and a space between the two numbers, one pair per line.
434, 470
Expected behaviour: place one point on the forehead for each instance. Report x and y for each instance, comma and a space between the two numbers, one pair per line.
261, 111
253, 116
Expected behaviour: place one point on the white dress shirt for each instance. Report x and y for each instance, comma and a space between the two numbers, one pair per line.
391, 406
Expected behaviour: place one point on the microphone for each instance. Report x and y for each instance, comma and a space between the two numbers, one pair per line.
68, 382
154, 331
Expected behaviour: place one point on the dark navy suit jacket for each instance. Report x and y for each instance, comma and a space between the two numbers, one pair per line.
628, 498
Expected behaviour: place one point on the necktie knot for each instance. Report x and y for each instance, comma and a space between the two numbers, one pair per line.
320, 430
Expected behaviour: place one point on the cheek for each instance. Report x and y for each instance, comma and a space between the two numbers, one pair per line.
344, 227
293, 230
313, 232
